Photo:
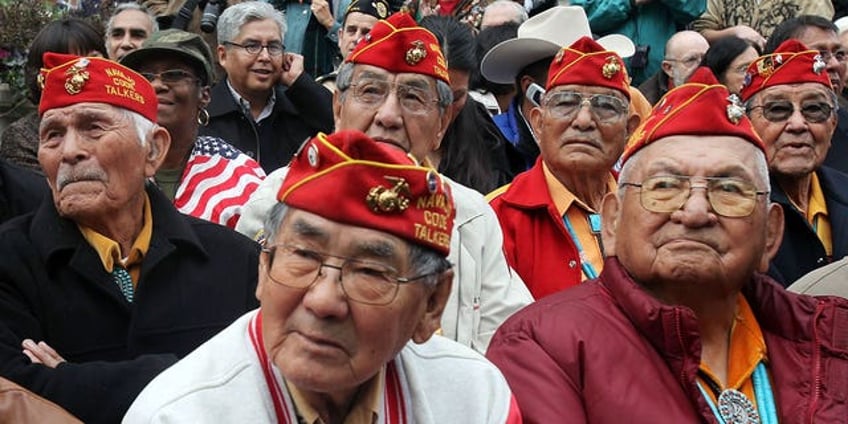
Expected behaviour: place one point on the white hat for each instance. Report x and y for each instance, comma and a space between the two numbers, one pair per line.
842, 24
542, 36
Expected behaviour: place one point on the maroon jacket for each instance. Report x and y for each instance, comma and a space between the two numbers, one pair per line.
608, 352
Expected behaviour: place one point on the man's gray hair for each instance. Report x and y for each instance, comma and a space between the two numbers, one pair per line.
423, 260
236, 16
344, 78
123, 7
520, 12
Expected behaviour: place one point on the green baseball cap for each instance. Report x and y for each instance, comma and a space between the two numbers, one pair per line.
174, 42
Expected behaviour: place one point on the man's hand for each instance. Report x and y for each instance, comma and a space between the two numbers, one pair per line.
292, 68
41, 353
321, 10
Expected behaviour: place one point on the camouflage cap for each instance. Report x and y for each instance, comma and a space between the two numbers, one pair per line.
169, 42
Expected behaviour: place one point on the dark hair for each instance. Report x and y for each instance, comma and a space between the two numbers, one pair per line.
537, 70
486, 39
723, 51
66, 35
456, 40
792, 28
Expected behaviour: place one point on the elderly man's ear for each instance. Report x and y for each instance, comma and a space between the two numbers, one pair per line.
158, 143
774, 235
436, 299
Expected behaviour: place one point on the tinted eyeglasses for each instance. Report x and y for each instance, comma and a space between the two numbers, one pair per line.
274, 49
564, 104
779, 111
729, 197
372, 93
171, 76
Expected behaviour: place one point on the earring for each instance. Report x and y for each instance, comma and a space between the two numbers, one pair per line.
203, 116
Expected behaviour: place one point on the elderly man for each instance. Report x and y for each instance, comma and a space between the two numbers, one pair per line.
793, 108
358, 346
820, 34
267, 106
683, 54
681, 327
500, 12
128, 27
485, 290
550, 214
107, 285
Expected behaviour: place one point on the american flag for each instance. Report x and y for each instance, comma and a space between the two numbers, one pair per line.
217, 181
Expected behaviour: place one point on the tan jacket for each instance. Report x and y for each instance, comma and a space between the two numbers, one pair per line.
19, 405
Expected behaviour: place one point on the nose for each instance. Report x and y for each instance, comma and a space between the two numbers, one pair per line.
696, 211
73, 148
583, 119
325, 298
389, 114
796, 121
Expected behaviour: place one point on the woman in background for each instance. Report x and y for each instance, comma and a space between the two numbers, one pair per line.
729, 58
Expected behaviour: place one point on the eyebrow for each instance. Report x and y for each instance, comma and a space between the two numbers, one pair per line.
380, 249
304, 229
731, 170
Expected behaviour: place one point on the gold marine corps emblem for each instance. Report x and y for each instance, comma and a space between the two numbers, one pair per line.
382, 199
416, 53
610, 68
77, 76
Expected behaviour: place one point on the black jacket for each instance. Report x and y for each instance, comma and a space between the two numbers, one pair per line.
300, 112
196, 278
21, 190
837, 156
801, 251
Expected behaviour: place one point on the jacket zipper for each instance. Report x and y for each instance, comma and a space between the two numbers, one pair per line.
816, 366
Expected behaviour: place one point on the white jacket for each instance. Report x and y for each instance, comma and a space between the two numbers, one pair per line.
486, 291
222, 382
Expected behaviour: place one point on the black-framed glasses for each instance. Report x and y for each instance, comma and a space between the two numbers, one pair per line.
373, 92
368, 282
781, 110
564, 104
171, 76
728, 197
274, 49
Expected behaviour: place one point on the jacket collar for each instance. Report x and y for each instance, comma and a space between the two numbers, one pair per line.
529, 190
223, 102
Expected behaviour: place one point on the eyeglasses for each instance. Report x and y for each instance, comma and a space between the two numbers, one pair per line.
371, 283
372, 93
779, 111
839, 55
171, 76
274, 49
564, 104
688, 61
728, 197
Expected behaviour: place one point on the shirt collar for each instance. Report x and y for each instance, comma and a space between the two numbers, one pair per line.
110, 252
563, 198
266, 111
365, 409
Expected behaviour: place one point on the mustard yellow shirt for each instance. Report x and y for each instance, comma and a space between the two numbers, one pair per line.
817, 215
747, 349
109, 250
578, 214
365, 407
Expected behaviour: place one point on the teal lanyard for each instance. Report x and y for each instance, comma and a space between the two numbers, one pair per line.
766, 408
595, 226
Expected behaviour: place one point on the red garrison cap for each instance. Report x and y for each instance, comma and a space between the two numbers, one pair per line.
791, 63
349, 178
585, 62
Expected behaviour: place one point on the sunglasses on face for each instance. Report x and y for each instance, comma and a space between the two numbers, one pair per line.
781, 110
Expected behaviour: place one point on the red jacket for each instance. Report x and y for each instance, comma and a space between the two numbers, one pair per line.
536, 244
608, 352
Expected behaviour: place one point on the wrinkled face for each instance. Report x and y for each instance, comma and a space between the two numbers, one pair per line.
253, 74
582, 141
319, 339
93, 161
180, 99
828, 43
693, 245
683, 57
459, 87
129, 29
356, 26
794, 146
390, 122
734, 76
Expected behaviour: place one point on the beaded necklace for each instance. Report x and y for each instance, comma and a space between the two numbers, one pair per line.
735, 408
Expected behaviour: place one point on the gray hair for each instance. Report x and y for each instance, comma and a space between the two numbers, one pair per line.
345, 78
130, 6
761, 174
423, 260
236, 16
520, 12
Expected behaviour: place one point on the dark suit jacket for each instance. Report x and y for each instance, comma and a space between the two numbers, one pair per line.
196, 278
21, 190
801, 251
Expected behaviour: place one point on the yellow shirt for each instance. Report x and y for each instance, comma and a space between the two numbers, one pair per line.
747, 349
365, 408
110, 252
817, 215
578, 214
